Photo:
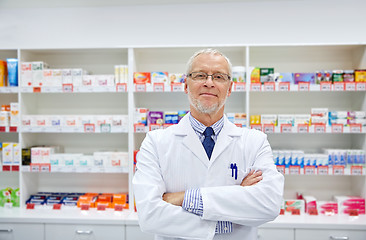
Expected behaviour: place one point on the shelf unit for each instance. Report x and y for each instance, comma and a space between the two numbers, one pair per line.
284, 58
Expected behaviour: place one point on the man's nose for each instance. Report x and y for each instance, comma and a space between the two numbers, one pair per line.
209, 81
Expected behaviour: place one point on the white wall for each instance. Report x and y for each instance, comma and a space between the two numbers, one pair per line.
248, 22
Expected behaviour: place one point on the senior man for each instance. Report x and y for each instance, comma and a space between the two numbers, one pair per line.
205, 178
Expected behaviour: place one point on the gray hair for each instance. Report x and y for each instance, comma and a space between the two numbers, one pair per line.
208, 51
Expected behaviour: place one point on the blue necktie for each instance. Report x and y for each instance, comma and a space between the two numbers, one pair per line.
208, 142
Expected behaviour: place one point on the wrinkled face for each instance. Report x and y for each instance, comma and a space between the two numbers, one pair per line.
208, 96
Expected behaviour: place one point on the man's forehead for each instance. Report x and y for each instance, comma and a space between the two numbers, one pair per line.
211, 60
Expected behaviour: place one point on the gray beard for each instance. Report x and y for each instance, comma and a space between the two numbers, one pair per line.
203, 109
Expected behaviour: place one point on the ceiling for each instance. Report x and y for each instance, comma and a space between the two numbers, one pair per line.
106, 3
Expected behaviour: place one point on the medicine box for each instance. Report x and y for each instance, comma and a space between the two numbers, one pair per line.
141, 77
304, 77
176, 77
269, 119
159, 77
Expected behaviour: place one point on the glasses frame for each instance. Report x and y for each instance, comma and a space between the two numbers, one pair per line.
212, 77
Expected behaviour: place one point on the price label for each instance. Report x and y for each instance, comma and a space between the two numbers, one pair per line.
118, 207
256, 87
313, 211
269, 128
2, 129
360, 86
177, 87
140, 87
338, 86
15, 168
256, 126
319, 128
295, 212
350, 86
105, 128
121, 87
30, 205
355, 128
309, 170
269, 86
139, 128
101, 207
8, 205
35, 167
286, 128
36, 89
356, 170
281, 169
13, 129
239, 87
338, 170
294, 170
284, 86
67, 88
6, 168
45, 168
89, 128
56, 206
323, 170
85, 207
158, 87
302, 128
304, 86
325, 86
353, 212
337, 128
154, 126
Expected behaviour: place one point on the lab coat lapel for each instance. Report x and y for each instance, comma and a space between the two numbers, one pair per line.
191, 140
224, 139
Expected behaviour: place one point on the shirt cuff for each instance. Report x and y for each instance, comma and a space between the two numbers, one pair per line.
193, 202
224, 227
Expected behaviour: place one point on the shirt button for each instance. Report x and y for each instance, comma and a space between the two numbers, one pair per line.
225, 228
189, 210
191, 204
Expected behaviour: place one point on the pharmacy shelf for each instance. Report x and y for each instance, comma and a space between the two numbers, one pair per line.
7, 129
303, 129
75, 89
322, 171
37, 168
85, 129
249, 99
305, 87
127, 217
9, 89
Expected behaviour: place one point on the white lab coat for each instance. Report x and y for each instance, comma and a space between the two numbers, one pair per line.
174, 160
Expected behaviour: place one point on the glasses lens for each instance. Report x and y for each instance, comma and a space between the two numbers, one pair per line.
220, 77
199, 76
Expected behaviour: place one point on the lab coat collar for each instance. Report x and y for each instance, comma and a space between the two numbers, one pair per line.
192, 142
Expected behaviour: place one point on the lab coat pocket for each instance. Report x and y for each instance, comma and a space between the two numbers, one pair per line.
235, 176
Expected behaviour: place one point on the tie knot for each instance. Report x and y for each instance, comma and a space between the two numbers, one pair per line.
208, 132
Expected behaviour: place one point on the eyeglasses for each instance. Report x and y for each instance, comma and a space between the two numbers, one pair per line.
202, 77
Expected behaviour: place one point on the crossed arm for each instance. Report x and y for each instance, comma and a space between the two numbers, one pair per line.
176, 198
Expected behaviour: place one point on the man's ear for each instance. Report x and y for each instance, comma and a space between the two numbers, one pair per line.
230, 88
185, 85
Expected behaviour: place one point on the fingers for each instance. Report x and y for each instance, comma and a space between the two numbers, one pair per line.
252, 178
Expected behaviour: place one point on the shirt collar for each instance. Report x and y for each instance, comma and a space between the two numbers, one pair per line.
200, 127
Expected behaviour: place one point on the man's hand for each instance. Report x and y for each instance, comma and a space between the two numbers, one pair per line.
252, 178
174, 198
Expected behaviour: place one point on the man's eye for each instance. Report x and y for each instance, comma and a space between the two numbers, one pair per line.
219, 76
200, 75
